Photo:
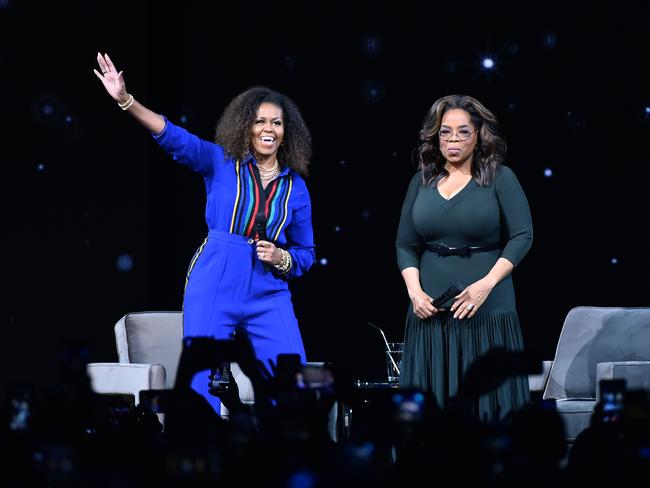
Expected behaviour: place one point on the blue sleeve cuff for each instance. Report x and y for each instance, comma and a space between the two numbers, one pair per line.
158, 137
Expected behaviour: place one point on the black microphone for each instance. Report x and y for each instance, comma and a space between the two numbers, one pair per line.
448, 294
260, 226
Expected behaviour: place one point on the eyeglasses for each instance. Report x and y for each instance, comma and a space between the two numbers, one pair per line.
462, 135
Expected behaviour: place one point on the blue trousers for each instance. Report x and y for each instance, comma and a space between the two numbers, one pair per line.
228, 286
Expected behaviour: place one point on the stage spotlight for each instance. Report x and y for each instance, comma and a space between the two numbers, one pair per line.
548, 172
614, 261
337, 228
323, 261
487, 63
40, 167
647, 111
183, 119
124, 262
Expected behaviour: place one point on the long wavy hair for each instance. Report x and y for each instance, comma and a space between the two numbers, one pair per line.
489, 151
234, 127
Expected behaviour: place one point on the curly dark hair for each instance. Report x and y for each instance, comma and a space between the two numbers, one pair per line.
490, 148
233, 128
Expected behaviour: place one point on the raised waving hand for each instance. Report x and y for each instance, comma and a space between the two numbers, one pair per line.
112, 80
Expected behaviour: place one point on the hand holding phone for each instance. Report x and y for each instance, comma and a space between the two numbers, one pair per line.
202, 353
612, 396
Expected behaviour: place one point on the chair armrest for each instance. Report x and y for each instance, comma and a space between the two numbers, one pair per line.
126, 377
537, 382
635, 373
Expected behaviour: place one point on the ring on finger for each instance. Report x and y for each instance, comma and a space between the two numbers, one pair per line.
470, 307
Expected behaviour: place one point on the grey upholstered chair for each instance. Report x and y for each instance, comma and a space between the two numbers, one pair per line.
149, 346
537, 382
148, 349
597, 343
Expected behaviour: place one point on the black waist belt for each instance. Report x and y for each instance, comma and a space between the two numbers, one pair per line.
444, 250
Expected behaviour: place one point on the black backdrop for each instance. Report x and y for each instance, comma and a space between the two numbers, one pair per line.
83, 185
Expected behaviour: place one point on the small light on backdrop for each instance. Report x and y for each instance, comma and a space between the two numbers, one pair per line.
549, 40
371, 45
373, 92
124, 262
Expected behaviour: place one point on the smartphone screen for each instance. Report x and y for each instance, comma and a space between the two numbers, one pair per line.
316, 377
154, 401
20, 413
409, 406
20, 407
612, 395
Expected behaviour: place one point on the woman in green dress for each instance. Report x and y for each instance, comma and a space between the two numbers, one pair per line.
465, 219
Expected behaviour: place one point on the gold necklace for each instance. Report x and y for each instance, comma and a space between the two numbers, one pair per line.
269, 174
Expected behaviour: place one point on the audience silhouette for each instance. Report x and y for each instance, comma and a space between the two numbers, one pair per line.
70, 436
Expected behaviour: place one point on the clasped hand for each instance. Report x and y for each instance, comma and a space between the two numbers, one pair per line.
267, 252
465, 303
471, 298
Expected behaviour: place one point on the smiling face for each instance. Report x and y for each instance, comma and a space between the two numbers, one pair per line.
456, 126
267, 132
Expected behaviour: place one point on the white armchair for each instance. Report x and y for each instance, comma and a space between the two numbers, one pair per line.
149, 346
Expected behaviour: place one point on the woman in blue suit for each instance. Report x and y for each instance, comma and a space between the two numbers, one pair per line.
258, 215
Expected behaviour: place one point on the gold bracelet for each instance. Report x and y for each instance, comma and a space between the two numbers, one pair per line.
285, 262
127, 104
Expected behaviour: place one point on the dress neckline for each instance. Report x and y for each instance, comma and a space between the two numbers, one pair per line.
457, 193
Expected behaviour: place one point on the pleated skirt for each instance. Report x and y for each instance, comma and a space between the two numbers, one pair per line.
439, 351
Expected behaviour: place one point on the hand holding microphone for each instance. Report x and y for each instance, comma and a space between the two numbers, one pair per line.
425, 307
447, 295
267, 252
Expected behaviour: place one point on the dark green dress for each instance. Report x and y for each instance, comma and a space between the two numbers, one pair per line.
438, 351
